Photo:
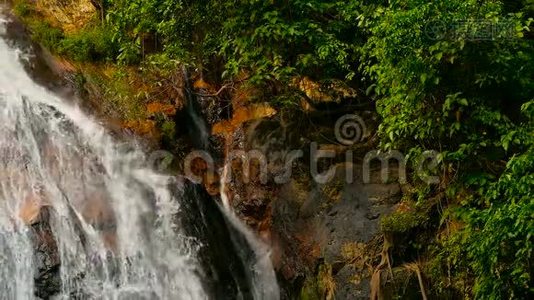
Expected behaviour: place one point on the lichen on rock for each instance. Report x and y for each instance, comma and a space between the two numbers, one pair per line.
69, 15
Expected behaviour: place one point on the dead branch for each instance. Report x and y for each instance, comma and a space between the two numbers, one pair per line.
224, 87
376, 279
414, 267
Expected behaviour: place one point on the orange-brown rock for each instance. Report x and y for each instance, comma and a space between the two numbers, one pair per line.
203, 85
334, 91
155, 108
96, 210
31, 208
242, 115
142, 127
70, 15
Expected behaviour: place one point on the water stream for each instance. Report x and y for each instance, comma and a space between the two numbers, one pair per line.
71, 195
253, 251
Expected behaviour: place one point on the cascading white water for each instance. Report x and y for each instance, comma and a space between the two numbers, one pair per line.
113, 220
263, 275
108, 221
260, 273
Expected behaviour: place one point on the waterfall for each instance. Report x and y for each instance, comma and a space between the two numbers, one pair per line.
112, 218
82, 211
262, 274
251, 249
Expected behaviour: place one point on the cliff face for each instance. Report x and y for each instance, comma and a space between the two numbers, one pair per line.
48, 281
325, 236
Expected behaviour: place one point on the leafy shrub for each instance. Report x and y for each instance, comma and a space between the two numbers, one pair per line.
22, 8
464, 94
94, 43
46, 35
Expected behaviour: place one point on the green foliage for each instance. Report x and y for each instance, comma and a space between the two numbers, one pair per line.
41, 30
46, 35
321, 286
436, 87
178, 28
403, 221
499, 239
22, 8
458, 89
274, 40
168, 129
496, 245
93, 43
270, 40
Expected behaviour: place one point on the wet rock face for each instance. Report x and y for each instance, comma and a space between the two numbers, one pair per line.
334, 224
42, 67
318, 232
225, 273
47, 277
